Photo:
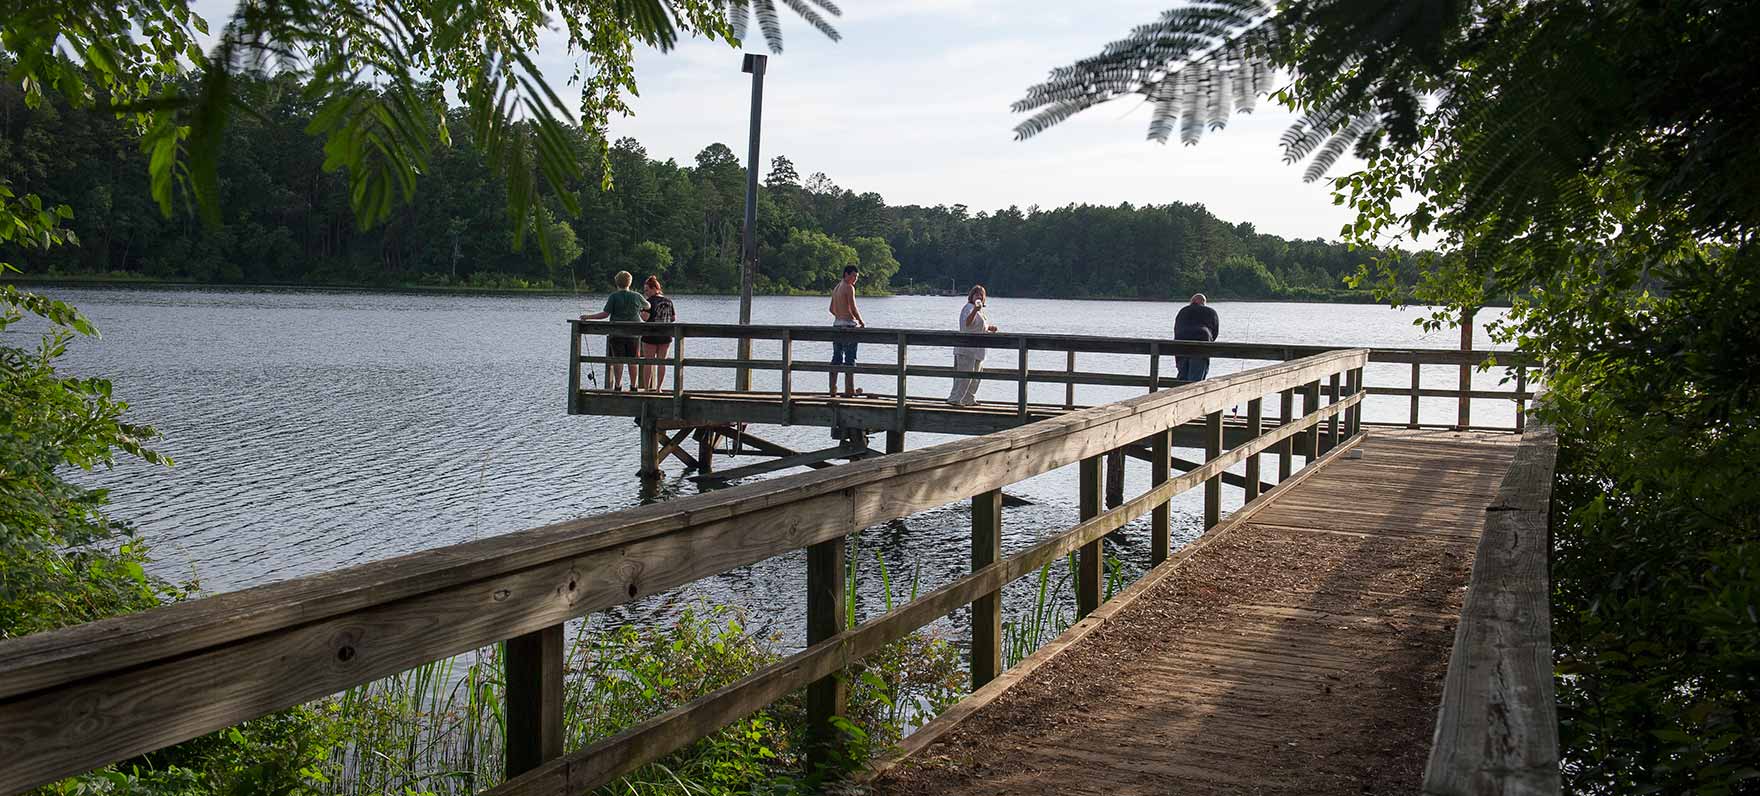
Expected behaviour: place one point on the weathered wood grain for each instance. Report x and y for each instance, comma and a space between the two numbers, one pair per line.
1497, 730
78, 698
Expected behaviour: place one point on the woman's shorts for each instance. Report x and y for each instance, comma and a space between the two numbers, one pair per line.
657, 340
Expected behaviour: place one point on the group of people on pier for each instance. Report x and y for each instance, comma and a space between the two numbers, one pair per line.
1196, 321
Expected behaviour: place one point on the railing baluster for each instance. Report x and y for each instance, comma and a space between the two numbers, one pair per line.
1311, 403
1161, 449
1417, 373
1255, 426
1154, 367
677, 375
1332, 422
534, 699
828, 696
1090, 568
902, 349
1521, 400
1357, 389
1022, 408
1286, 453
986, 610
1069, 387
1212, 486
787, 377
574, 369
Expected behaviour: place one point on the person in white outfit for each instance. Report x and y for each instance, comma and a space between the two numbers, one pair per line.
971, 321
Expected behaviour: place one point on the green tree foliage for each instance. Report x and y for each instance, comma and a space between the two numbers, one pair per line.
283, 220
874, 258
1591, 160
809, 260
651, 259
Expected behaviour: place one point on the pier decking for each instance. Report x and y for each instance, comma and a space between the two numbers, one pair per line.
1237, 661
1299, 649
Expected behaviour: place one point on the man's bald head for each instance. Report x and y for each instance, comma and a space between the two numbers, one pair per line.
1198, 298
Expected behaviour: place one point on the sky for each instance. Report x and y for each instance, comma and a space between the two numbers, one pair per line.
913, 104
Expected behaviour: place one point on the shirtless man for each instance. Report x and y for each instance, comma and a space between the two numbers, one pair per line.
844, 315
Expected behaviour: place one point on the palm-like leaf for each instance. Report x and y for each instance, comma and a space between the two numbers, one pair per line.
741, 12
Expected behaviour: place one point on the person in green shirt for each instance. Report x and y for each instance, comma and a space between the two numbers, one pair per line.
622, 306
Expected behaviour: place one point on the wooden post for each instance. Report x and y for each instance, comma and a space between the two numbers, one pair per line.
787, 377
1356, 411
1154, 367
1466, 378
650, 449
1069, 387
1521, 401
895, 442
1310, 403
1023, 378
1332, 422
902, 348
1213, 486
677, 376
706, 449
1161, 449
1090, 567
827, 696
1255, 426
574, 369
1114, 478
1417, 374
986, 610
533, 672
1286, 454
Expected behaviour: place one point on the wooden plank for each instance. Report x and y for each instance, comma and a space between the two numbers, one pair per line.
1090, 561
1521, 403
1310, 401
1503, 395
1114, 478
807, 459
1022, 376
1497, 730
153, 671
1465, 407
950, 719
1332, 422
987, 657
677, 377
533, 673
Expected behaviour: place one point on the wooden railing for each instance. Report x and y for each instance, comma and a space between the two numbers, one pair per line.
1157, 373
76, 699
1497, 731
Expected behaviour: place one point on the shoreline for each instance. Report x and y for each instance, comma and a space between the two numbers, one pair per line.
154, 284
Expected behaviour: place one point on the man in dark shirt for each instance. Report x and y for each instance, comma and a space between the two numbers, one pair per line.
1195, 321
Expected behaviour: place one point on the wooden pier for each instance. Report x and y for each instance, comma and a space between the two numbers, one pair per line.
76, 699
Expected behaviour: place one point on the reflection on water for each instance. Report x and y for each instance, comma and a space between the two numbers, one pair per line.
315, 430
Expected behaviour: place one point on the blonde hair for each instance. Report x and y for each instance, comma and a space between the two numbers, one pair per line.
622, 279
972, 295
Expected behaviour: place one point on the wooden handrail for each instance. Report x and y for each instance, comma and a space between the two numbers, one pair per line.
75, 699
1497, 730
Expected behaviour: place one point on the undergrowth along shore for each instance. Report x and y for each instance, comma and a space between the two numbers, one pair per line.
437, 729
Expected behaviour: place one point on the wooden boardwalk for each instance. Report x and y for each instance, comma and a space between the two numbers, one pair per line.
1300, 649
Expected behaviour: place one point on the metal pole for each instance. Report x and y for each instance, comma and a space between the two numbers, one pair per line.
754, 64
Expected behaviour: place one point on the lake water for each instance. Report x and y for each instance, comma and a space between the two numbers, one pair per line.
314, 430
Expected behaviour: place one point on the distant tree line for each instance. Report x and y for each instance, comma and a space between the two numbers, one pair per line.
285, 219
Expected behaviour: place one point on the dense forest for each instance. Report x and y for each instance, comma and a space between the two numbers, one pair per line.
287, 220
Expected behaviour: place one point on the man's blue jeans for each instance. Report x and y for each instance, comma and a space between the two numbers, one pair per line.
1192, 368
